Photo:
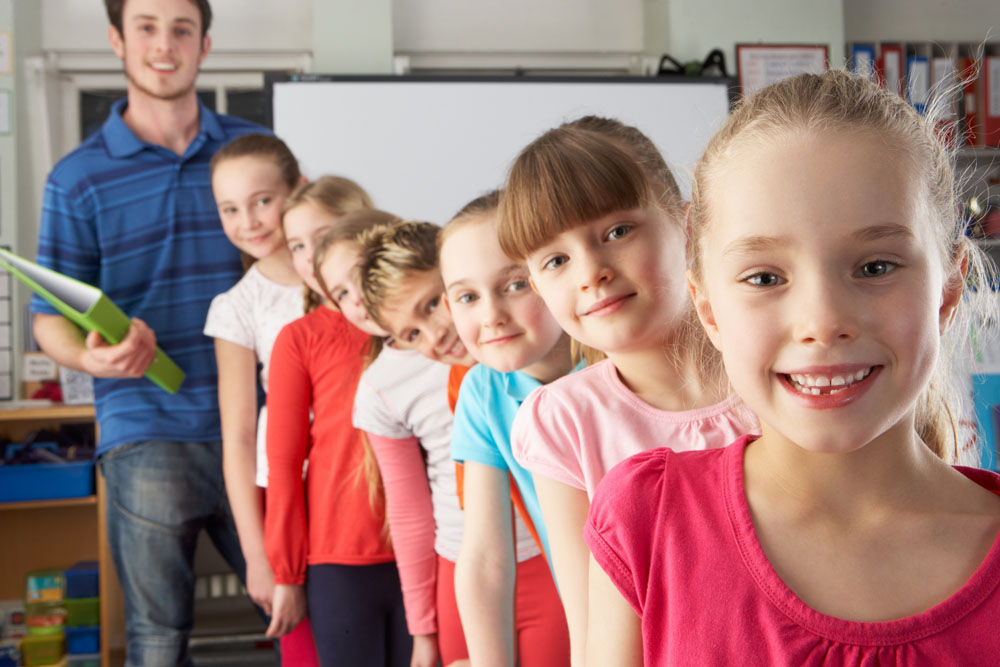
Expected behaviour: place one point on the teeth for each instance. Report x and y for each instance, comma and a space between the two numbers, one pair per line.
165, 67
810, 384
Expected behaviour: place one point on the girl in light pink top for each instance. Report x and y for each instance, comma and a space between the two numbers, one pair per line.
593, 210
829, 262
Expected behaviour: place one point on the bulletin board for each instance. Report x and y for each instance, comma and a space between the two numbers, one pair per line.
424, 146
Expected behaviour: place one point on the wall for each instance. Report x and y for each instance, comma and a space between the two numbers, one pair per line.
919, 20
691, 28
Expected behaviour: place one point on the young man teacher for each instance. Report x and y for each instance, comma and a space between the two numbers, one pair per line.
131, 211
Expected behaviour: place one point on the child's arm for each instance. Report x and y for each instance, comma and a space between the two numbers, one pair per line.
614, 630
564, 509
238, 412
485, 571
286, 532
411, 522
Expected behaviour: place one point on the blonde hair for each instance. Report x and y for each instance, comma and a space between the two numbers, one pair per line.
474, 211
839, 101
334, 195
264, 147
390, 254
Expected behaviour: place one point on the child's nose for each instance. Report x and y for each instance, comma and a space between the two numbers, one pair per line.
824, 313
592, 272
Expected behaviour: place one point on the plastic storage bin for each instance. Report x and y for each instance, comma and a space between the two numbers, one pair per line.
90, 660
44, 585
46, 481
45, 618
43, 650
83, 640
82, 580
81, 612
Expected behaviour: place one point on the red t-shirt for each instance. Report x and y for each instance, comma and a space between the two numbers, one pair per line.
316, 363
673, 532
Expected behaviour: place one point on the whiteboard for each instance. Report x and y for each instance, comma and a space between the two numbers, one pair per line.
423, 147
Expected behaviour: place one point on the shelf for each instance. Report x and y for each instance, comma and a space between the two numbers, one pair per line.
53, 412
48, 504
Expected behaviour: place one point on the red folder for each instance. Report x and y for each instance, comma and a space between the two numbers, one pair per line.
991, 101
890, 67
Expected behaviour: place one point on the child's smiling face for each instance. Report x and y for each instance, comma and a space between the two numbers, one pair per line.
502, 321
822, 285
416, 317
339, 271
615, 283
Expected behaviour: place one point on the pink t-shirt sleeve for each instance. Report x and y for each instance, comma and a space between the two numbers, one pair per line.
627, 502
411, 523
545, 439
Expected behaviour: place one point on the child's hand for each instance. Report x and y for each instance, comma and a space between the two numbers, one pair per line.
425, 651
128, 359
288, 608
260, 583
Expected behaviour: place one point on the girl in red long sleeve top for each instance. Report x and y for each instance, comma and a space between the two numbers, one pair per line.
325, 533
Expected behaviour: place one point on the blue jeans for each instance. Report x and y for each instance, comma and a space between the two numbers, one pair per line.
160, 496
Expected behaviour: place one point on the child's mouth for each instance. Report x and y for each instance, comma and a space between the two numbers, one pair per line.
825, 384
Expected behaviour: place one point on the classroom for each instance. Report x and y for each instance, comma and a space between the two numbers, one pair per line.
604, 332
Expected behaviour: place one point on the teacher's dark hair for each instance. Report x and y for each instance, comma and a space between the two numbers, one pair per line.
115, 8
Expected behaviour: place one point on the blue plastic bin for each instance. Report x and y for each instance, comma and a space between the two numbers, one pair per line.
82, 580
46, 481
81, 641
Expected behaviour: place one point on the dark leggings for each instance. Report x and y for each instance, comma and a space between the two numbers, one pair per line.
357, 615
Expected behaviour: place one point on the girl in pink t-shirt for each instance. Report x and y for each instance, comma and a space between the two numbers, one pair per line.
593, 210
829, 259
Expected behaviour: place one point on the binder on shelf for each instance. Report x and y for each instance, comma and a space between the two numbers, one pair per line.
89, 308
969, 103
944, 85
991, 101
863, 60
890, 67
918, 82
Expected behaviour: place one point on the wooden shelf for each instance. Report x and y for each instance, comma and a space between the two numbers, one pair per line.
48, 504
54, 412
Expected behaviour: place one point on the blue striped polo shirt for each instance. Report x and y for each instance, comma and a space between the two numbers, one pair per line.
139, 221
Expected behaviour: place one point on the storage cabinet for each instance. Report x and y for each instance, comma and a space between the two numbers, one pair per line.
57, 533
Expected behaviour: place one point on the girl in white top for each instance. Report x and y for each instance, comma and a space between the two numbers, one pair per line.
252, 179
593, 210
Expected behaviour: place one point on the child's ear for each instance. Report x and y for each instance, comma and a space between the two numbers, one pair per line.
703, 308
951, 295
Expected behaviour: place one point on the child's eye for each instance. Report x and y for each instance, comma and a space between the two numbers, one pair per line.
263, 201
295, 247
555, 262
227, 210
517, 286
182, 32
433, 304
340, 296
412, 335
877, 268
618, 232
466, 298
764, 279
